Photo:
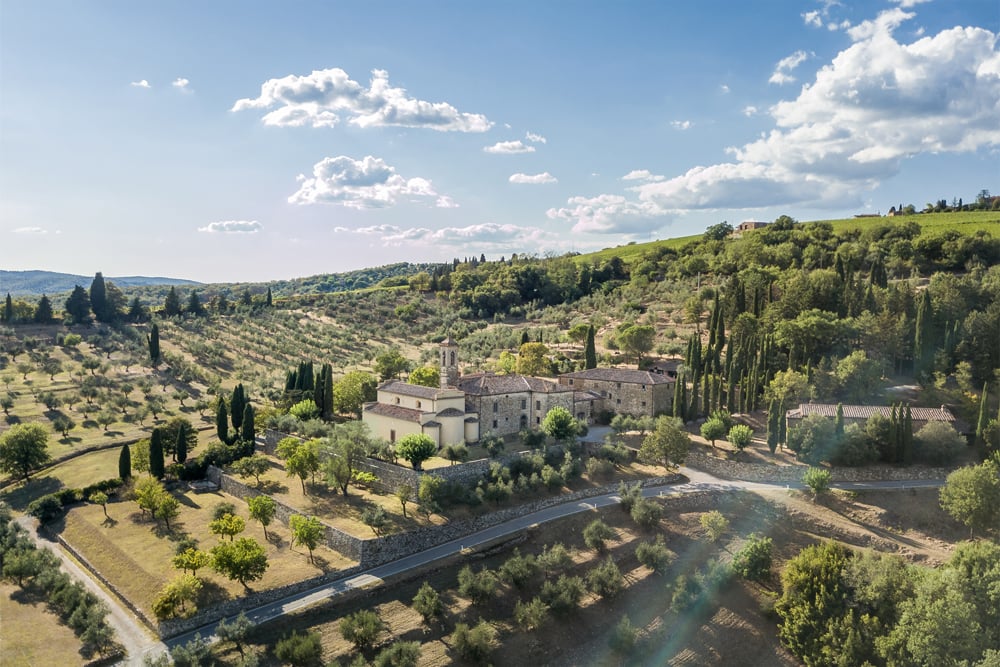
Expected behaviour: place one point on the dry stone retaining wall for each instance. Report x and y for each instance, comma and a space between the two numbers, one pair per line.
761, 472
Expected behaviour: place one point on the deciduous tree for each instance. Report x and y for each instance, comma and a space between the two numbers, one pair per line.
23, 449
667, 445
243, 560
416, 448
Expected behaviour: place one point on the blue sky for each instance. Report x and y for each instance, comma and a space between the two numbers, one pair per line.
243, 141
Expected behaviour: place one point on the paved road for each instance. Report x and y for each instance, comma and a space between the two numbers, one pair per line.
129, 631
139, 643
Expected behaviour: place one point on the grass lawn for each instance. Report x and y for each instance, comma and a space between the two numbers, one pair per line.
135, 553
24, 618
74, 474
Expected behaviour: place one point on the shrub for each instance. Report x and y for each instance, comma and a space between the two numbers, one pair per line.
654, 555
301, 650
606, 579
304, 410
817, 479
474, 643
194, 653
552, 478
428, 603
628, 495
854, 448
530, 615
362, 628
554, 559
647, 513
618, 455
596, 533
480, 587
937, 443
518, 570
563, 594
714, 524
622, 639
222, 509
753, 561
740, 436
47, 508
686, 591
599, 468
398, 654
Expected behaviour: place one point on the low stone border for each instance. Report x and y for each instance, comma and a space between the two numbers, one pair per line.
761, 472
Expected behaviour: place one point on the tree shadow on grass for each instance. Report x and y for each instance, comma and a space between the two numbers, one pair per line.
29, 595
35, 488
70, 440
271, 486
212, 593
113, 434
12, 419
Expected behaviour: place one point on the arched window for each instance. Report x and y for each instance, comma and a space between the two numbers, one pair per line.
452, 358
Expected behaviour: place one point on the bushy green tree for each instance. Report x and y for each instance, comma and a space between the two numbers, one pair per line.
972, 496
23, 449
415, 448
243, 560
362, 628
753, 561
667, 445
427, 603
300, 650
306, 531
597, 533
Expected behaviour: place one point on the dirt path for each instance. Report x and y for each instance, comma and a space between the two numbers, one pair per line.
129, 632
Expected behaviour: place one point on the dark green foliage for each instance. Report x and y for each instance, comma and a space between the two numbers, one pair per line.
8, 309
236, 631
156, 463
23, 449
248, 432
597, 533
647, 513
171, 305
362, 628
562, 595
972, 496
428, 603
415, 448
154, 345
623, 637
194, 306
46, 508
192, 654
519, 570
236, 405
398, 654
300, 650
125, 463
78, 306
222, 421
475, 643
606, 579
753, 561
480, 587
654, 555
817, 479
590, 349
99, 299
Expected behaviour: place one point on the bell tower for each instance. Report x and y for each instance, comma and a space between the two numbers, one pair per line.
449, 362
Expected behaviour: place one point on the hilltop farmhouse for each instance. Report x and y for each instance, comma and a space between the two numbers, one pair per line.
467, 407
859, 414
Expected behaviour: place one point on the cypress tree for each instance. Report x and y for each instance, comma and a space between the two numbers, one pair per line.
773, 425
236, 405
269, 300
678, 406
327, 407
99, 298
125, 463
524, 337
171, 305
194, 304
319, 387
137, 312
908, 436
222, 421
839, 427
893, 436
154, 345
590, 351
156, 465
923, 332
181, 446
43, 313
248, 432
693, 412
8, 310
982, 421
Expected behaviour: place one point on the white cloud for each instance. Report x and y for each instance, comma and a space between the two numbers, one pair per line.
812, 18
876, 104
641, 175
509, 147
140, 84
724, 88
883, 24
365, 183
232, 227
906, 4
30, 230
181, 84
781, 74
533, 179
320, 99
535, 138
485, 236
749, 110
680, 124
607, 214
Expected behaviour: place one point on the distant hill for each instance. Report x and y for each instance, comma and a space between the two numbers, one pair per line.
33, 283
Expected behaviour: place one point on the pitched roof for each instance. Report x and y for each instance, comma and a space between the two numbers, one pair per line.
587, 395
415, 390
865, 411
629, 375
489, 384
451, 412
394, 411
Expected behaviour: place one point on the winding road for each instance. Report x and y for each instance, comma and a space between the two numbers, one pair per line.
140, 643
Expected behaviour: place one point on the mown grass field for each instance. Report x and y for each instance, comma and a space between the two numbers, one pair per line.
24, 618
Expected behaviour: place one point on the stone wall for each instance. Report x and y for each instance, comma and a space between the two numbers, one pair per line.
762, 472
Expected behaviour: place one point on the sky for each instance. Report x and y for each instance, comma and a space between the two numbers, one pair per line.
247, 141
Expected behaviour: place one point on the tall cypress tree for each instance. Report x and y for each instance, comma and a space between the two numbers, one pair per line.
99, 298
773, 424
590, 350
181, 446
319, 387
922, 338
248, 433
236, 405
908, 436
326, 409
154, 345
678, 407
269, 300
156, 464
222, 421
125, 463
982, 421
8, 310
839, 425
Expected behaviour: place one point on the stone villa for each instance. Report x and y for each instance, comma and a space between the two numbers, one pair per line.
467, 407
859, 414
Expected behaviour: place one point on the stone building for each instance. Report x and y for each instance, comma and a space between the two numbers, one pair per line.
508, 404
859, 414
625, 390
402, 408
